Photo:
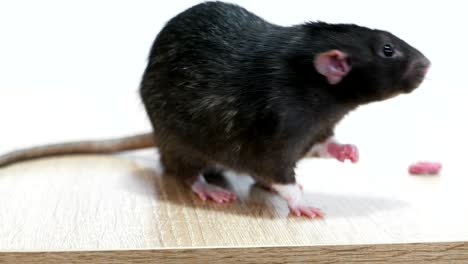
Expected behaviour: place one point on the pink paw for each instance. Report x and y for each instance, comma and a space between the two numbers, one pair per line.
343, 152
308, 211
208, 191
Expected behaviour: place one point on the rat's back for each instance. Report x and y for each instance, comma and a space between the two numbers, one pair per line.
196, 73
208, 29
207, 42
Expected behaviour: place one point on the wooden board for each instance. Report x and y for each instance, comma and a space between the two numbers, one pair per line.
440, 253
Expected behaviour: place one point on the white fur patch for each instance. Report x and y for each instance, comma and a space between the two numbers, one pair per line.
291, 192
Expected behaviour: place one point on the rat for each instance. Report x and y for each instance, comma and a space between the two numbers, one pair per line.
225, 89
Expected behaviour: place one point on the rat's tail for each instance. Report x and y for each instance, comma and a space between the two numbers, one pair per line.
80, 147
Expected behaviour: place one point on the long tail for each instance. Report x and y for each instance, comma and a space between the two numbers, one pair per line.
80, 147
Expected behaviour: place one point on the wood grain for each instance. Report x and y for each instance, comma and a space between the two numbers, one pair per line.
437, 253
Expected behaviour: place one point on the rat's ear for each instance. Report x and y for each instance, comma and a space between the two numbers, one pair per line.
332, 64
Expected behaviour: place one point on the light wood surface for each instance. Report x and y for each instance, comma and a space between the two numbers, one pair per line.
122, 208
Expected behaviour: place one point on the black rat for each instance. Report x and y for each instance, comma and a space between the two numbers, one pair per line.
225, 89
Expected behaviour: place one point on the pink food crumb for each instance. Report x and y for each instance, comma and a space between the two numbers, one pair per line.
425, 167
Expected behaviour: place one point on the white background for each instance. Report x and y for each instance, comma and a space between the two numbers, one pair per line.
71, 70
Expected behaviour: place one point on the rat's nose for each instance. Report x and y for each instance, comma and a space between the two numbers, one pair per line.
427, 69
419, 65
425, 64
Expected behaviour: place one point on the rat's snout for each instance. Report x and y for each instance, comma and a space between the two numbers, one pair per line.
415, 73
420, 65
417, 69
425, 64
427, 69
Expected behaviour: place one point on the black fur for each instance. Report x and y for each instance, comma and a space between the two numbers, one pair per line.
225, 87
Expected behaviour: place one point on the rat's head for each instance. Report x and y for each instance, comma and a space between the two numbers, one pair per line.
369, 65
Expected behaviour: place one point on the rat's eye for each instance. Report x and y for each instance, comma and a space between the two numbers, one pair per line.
388, 50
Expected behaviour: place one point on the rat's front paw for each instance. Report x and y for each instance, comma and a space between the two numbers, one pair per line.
308, 211
343, 152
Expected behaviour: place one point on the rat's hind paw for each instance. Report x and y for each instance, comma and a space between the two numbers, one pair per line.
308, 211
207, 191
292, 193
